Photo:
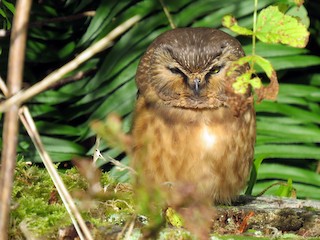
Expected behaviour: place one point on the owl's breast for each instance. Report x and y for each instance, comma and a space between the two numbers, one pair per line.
211, 149
207, 137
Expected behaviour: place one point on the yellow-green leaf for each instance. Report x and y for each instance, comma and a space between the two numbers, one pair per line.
244, 80
230, 22
275, 27
174, 218
264, 64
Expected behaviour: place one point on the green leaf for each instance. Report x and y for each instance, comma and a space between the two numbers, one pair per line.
242, 81
294, 62
301, 13
9, 6
295, 132
264, 64
57, 129
302, 190
286, 190
275, 27
288, 110
274, 50
283, 172
230, 22
293, 151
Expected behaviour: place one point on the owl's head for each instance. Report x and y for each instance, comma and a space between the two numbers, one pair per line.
188, 67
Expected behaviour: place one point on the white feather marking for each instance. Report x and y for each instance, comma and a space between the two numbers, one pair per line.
208, 138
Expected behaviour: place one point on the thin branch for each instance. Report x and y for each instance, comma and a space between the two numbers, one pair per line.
168, 15
120, 166
11, 118
63, 19
75, 216
78, 76
3, 87
56, 75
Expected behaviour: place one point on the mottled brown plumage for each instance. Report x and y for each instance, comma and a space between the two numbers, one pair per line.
190, 128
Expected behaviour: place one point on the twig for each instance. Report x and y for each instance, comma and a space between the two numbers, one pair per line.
128, 227
11, 126
271, 186
78, 76
130, 230
56, 75
75, 216
97, 155
63, 19
3, 87
168, 15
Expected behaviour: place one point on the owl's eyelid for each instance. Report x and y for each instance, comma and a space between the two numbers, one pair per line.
176, 70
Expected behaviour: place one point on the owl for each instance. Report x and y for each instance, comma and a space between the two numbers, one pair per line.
190, 128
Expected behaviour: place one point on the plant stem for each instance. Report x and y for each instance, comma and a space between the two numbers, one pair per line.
254, 27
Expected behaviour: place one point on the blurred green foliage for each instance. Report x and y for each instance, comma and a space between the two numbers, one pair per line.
287, 130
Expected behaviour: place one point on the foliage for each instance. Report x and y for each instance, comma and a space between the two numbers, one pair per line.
6, 11
287, 139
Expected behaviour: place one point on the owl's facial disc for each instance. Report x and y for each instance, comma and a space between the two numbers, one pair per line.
187, 68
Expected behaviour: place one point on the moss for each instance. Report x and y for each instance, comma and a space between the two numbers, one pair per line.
37, 205
31, 194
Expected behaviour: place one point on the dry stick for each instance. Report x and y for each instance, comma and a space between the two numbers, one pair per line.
11, 124
67, 200
3, 87
56, 75
97, 155
76, 218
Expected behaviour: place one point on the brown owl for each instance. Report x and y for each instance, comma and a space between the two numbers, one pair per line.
190, 128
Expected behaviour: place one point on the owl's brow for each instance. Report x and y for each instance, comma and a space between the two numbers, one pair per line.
204, 61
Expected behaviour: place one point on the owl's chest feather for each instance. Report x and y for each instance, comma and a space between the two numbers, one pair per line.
185, 135
207, 137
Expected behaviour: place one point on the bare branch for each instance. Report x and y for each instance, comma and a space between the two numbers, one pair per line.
11, 123
63, 19
119, 166
3, 87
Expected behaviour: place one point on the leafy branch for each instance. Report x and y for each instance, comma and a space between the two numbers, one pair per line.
269, 26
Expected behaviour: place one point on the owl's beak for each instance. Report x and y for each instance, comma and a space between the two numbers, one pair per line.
196, 85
